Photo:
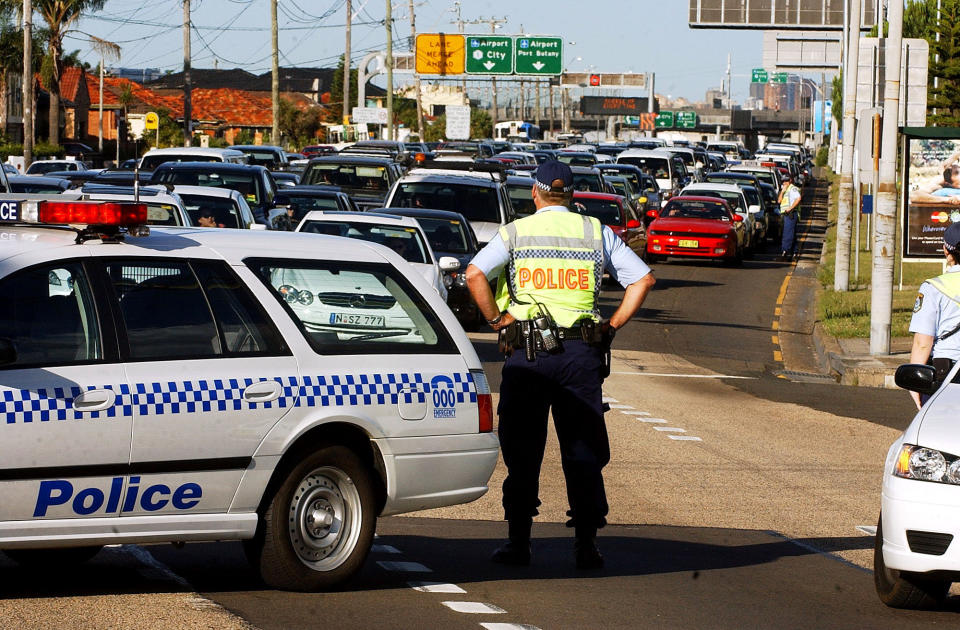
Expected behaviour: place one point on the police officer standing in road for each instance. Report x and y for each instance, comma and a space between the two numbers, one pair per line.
936, 314
789, 200
549, 267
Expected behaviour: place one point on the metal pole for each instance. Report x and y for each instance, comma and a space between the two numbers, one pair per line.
187, 107
536, 109
345, 111
652, 99
493, 82
100, 125
845, 209
550, 93
388, 22
28, 83
881, 296
274, 76
416, 77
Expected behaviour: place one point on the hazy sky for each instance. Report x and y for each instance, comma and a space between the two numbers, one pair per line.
609, 35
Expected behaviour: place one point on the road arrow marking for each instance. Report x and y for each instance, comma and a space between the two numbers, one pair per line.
538, 65
489, 65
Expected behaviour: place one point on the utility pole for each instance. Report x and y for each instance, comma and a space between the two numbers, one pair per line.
416, 77
275, 76
729, 90
388, 21
346, 69
536, 109
881, 295
494, 25
104, 49
187, 108
845, 207
27, 83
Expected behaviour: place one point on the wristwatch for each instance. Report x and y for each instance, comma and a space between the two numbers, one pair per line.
496, 320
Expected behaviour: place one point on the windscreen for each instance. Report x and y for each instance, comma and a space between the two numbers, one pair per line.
445, 235
577, 159
733, 199
352, 178
695, 210
605, 211
521, 198
406, 241
588, 182
656, 166
242, 182
224, 211
475, 203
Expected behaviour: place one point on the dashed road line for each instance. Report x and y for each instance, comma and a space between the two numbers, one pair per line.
652, 420
620, 406
686, 438
384, 549
869, 530
508, 626
435, 587
474, 608
670, 429
607, 399
634, 412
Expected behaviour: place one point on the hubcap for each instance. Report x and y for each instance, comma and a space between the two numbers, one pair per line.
325, 518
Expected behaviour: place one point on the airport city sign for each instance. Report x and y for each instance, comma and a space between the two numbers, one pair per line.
489, 54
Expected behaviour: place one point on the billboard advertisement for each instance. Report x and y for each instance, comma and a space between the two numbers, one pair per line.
933, 203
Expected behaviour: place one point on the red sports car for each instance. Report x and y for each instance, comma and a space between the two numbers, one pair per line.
615, 212
697, 227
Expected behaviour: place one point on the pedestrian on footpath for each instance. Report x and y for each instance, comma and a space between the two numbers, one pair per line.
549, 267
936, 315
789, 201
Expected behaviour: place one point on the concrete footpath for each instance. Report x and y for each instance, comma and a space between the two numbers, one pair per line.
847, 361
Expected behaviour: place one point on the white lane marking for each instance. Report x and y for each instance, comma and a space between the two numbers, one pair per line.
508, 626
869, 530
652, 420
689, 438
435, 587
474, 608
620, 406
384, 549
608, 399
636, 413
670, 429
404, 567
750, 378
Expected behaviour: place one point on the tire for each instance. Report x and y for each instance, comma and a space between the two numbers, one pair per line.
52, 557
654, 258
901, 589
736, 260
331, 484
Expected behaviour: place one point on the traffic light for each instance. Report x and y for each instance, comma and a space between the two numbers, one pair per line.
594, 80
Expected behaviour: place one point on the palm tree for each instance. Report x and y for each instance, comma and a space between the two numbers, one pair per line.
59, 15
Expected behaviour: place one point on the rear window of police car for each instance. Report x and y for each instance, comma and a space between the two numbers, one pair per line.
354, 308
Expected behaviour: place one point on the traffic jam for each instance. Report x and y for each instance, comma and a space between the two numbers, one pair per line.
545, 378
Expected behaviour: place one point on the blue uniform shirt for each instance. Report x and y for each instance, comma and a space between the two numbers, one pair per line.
935, 314
622, 263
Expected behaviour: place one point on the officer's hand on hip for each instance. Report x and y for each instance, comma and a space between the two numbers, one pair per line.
505, 320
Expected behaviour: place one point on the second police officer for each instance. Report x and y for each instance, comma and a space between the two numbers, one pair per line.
936, 314
549, 268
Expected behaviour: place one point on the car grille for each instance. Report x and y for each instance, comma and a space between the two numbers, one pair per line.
930, 543
357, 300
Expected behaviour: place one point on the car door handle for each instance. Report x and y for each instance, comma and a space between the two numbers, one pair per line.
264, 391
94, 400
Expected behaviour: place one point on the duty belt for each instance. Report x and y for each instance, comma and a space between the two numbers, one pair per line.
588, 333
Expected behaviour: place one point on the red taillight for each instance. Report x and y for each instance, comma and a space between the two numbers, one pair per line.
485, 407
92, 213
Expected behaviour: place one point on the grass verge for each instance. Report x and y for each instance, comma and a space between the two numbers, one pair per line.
846, 314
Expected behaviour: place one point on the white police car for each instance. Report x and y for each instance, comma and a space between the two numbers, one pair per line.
165, 388
917, 552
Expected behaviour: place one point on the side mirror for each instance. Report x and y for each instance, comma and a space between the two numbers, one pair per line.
753, 209
738, 218
917, 377
8, 354
633, 224
257, 226
448, 263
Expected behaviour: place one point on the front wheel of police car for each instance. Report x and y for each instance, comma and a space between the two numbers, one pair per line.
902, 589
319, 525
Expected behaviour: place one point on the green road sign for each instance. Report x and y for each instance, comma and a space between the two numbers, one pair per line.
778, 77
759, 75
686, 120
664, 120
538, 55
489, 54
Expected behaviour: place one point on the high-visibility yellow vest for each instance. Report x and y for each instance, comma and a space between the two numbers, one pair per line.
949, 285
785, 200
556, 259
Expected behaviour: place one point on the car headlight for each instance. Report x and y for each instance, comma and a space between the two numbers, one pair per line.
927, 464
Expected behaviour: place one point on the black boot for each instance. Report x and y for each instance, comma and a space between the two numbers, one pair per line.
585, 549
516, 551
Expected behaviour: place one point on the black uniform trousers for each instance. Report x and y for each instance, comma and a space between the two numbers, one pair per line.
569, 383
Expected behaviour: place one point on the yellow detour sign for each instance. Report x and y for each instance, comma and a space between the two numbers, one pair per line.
439, 53
151, 121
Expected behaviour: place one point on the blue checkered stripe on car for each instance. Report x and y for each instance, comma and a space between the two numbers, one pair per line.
224, 394
56, 403
208, 395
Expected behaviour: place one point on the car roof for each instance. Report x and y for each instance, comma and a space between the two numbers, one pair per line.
206, 191
733, 175
713, 186
320, 192
195, 151
352, 158
472, 178
375, 218
254, 147
519, 180
37, 179
108, 190
584, 170
231, 245
425, 213
647, 153
226, 167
